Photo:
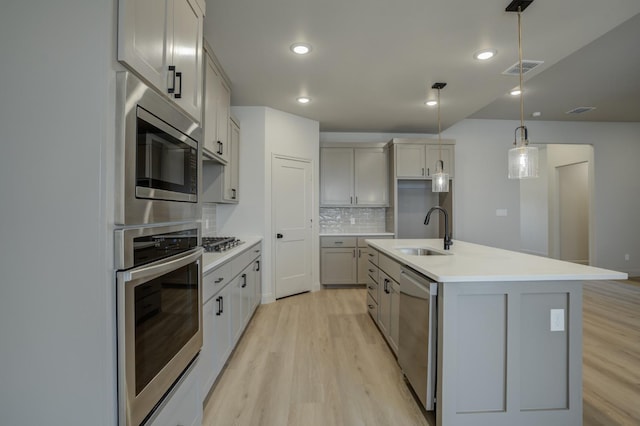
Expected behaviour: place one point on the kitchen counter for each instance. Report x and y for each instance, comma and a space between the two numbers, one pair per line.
213, 260
468, 262
356, 234
509, 331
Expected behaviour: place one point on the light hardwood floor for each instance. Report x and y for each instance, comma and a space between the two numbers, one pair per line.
611, 353
318, 359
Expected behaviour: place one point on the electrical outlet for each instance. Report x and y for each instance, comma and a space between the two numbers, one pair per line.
353, 220
626, 256
557, 319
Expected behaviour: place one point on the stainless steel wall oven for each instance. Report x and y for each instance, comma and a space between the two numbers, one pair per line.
159, 319
156, 157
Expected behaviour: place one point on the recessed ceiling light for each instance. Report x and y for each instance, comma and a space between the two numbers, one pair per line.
300, 48
483, 55
515, 92
304, 100
431, 103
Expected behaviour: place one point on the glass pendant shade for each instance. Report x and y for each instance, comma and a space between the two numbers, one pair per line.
523, 162
440, 179
440, 182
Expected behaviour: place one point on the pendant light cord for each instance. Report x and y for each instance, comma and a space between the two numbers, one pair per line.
439, 139
523, 138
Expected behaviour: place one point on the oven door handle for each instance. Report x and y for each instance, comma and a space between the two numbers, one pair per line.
162, 267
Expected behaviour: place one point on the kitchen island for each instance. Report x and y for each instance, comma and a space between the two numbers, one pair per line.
509, 332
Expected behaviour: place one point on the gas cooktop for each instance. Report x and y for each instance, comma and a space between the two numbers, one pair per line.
219, 244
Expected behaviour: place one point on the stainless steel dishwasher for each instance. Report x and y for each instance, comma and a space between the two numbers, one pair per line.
418, 334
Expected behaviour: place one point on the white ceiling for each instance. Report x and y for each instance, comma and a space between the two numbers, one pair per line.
373, 61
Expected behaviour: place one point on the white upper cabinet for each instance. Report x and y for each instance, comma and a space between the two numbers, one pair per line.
162, 42
216, 117
336, 176
371, 177
419, 160
354, 177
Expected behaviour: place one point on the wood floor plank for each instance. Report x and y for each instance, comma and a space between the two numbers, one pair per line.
318, 359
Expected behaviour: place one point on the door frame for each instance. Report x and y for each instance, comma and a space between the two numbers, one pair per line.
271, 234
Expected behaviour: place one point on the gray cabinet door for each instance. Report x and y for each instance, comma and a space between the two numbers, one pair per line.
384, 304
338, 265
336, 176
371, 177
410, 161
434, 155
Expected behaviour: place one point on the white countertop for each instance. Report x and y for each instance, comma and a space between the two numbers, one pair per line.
355, 234
213, 260
467, 262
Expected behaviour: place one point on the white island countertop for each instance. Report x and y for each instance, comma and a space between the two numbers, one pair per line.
356, 234
467, 262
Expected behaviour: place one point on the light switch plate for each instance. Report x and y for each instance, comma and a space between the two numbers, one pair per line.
501, 212
353, 220
557, 319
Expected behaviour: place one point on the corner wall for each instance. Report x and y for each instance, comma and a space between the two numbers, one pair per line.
263, 133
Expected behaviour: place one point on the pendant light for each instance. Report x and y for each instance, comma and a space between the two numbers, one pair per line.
440, 179
523, 159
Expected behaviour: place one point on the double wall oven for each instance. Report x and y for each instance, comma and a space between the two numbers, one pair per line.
158, 258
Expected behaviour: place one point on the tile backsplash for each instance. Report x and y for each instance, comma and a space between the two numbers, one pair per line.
347, 219
209, 220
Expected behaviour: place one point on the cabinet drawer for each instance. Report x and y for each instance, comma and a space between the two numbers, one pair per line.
372, 307
214, 280
372, 272
241, 261
373, 256
183, 405
390, 266
372, 287
338, 241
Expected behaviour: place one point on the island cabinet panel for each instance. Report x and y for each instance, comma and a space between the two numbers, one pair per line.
544, 354
499, 361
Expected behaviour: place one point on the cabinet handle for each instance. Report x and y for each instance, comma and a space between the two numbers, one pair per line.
428, 171
351, 200
219, 310
244, 280
354, 253
356, 199
172, 89
359, 253
372, 270
233, 196
179, 94
221, 304
220, 148
423, 171
371, 287
219, 280
257, 265
386, 287
338, 242
371, 255
371, 306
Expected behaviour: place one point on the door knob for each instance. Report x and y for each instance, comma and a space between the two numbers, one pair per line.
279, 235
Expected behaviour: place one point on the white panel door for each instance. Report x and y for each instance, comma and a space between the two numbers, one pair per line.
291, 200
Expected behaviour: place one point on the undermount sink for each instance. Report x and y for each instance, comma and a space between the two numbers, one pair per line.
418, 251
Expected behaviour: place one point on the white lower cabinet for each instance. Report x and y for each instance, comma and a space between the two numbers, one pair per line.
387, 289
231, 294
183, 406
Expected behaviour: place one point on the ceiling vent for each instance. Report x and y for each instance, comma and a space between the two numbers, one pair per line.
527, 65
580, 110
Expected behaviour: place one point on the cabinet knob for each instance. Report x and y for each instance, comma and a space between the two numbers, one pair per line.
279, 235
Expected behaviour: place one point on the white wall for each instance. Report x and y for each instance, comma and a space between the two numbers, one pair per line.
481, 152
263, 133
534, 210
57, 99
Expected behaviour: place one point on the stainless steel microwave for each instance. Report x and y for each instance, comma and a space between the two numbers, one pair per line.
156, 157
